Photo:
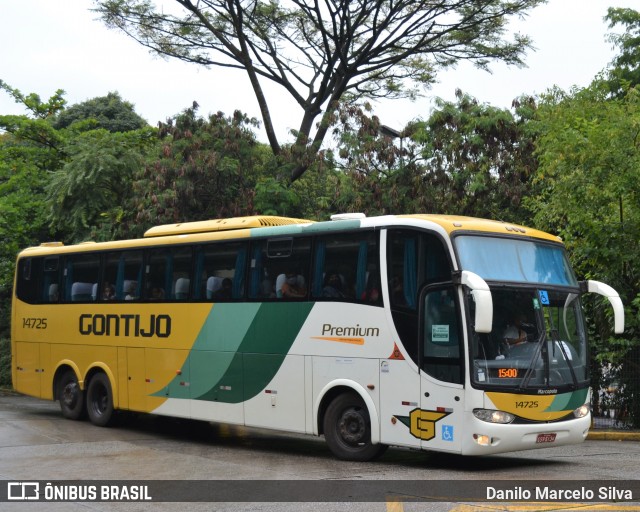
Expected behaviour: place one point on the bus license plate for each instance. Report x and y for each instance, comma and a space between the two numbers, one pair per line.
546, 438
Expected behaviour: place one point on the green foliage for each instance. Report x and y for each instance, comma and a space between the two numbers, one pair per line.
29, 148
466, 159
275, 197
322, 52
87, 197
32, 102
5, 362
478, 158
589, 193
108, 112
59, 182
625, 70
204, 169
588, 153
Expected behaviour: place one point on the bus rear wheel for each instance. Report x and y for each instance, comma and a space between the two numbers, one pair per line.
100, 400
71, 396
347, 429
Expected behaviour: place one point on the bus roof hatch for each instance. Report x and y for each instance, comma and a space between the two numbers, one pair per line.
204, 226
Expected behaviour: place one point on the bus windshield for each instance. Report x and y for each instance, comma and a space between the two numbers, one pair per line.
538, 340
510, 259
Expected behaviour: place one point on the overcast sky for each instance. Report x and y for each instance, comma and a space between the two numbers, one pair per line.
47, 45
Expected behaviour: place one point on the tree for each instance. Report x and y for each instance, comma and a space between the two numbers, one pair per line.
109, 112
625, 71
205, 168
478, 158
467, 158
323, 52
87, 196
29, 148
588, 147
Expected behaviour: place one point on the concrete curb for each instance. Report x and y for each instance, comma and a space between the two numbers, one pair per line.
612, 435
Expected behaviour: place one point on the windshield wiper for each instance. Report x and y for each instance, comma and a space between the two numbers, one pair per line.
556, 341
531, 369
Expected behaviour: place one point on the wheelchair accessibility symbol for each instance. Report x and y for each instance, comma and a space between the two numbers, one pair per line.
447, 433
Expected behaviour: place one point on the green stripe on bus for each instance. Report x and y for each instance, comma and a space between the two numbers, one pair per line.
212, 354
266, 342
568, 401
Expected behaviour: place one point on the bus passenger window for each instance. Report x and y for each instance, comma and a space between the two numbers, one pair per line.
82, 273
279, 268
346, 268
124, 270
51, 281
220, 269
403, 268
415, 259
168, 274
29, 270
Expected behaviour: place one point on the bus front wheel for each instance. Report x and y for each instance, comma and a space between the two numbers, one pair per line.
100, 400
71, 396
347, 429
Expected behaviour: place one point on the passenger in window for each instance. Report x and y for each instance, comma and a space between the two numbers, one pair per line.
293, 286
108, 292
53, 293
397, 292
333, 288
372, 291
224, 293
130, 290
157, 293
514, 332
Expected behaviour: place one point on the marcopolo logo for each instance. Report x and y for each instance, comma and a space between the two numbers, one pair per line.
125, 325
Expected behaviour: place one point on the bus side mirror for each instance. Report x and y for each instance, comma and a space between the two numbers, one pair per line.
616, 303
482, 298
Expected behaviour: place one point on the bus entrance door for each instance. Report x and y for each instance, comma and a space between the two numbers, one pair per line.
441, 383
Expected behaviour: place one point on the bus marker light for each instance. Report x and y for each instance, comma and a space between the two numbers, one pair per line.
371, 386
482, 439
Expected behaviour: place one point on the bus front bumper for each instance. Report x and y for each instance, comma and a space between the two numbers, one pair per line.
484, 438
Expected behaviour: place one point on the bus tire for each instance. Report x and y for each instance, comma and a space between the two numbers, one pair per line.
100, 400
70, 396
347, 429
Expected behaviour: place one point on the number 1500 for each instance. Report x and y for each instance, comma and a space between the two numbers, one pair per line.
507, 373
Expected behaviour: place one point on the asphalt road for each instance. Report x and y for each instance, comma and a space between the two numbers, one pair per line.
37, 444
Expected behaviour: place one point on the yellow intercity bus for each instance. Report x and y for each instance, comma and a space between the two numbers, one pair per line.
437, 332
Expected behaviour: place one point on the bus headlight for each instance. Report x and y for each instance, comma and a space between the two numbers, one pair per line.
582, 411
492, 416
